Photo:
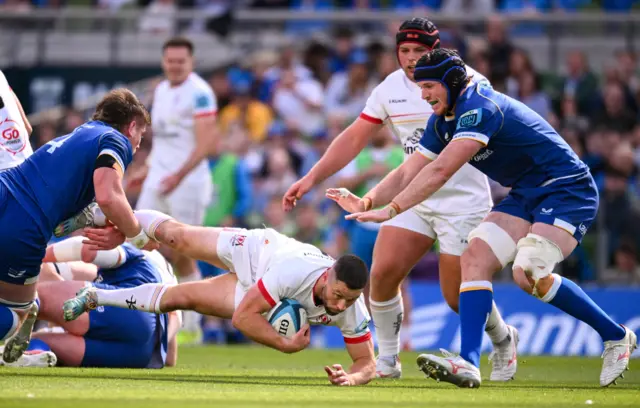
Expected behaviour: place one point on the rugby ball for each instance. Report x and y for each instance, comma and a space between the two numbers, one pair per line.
287, 317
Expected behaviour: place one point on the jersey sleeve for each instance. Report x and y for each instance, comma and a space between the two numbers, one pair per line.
374, 111
279, 283
431, 145
355, 323
478, 124
204, 103
118, 147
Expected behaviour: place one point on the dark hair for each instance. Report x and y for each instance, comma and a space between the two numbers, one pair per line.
352, 271
179, 42
120, 107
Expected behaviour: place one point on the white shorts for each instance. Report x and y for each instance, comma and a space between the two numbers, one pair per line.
451, 231
240, 249
187, 203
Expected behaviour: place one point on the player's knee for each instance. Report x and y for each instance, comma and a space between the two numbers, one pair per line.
498, 240
386, 276
174, 236
536, 258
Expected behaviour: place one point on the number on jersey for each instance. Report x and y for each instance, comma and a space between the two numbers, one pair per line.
57, 143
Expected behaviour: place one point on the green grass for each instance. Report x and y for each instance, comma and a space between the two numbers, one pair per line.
258, 377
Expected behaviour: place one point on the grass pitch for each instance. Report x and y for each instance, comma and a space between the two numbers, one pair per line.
253, 376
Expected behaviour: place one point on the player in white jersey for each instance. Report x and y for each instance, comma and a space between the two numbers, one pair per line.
178, 181
265, 267
448, 216
15, 129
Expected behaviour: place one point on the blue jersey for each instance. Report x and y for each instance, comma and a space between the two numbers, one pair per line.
521, 150
56, 182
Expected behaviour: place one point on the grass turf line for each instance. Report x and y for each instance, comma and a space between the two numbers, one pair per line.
259, 377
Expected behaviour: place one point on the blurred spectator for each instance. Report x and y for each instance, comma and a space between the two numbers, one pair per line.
570, 117
469, 7
532, 95
615, 114
72, 120
277, 219
580, 83
625, 269
628, 70
347, 92
343, 48
387, 63
221, 87
159, 18
253, 116
308, 223
519, 65
481, 63
621, 210
288, 61
499, 50
316, 58
44, 132
299, 102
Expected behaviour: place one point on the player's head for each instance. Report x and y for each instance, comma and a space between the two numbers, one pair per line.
414, 38
441, 75
345, 282
177, 59
122, 110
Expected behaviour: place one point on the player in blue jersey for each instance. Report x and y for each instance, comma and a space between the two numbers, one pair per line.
552, 202
56, 182
112, 337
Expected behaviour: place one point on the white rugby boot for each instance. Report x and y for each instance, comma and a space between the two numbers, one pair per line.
504, 357
616, 357
388, 367
450, 368
34, 358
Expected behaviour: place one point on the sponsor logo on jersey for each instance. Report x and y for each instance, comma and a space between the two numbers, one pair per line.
582, 228
546, 211
363, 326
10, 139
469, 119
413, 140
203, 101
13, 273
482, 155
397, 100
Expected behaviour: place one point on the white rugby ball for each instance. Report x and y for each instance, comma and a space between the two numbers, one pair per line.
287, 317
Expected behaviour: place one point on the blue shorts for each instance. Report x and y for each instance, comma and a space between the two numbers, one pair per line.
22, 245
362, 242
570, 204
120, 337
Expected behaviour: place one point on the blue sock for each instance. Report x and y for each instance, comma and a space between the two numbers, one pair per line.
476, 301
8, 322
571, 299
37, 344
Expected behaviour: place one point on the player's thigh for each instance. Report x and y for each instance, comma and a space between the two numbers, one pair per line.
151, 199
201, 243
188, 203
488, 253
52, 295
116, 354
68, 348
213, 297
401, 243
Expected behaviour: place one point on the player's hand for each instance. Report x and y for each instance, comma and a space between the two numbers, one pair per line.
299, 341
346, 199
103, 239
337, 375
152, 245
295, 192
169, 184
381, 215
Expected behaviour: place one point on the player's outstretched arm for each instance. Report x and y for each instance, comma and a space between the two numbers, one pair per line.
362, 370
249, 320
344, 148
428, 181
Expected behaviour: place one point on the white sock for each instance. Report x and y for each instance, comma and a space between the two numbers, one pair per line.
496, 328
99, 219
387, 318
145, 297
150, 220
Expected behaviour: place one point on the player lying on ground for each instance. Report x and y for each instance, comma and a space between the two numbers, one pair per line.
110, 337
266, 267
57, 181
552, 202
448, 216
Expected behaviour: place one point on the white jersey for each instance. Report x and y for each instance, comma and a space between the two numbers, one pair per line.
284, 268
397, 101
173, 115
14, 140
